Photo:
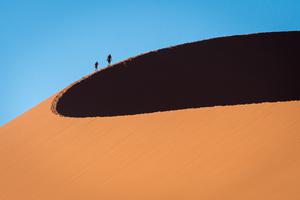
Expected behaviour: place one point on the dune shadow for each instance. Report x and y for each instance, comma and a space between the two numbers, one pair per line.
233, 70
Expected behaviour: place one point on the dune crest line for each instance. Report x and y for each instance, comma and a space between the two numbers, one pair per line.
232, 70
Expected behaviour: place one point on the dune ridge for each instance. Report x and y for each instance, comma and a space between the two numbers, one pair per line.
222, 71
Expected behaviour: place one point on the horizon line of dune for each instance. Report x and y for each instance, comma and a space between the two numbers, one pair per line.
234, 70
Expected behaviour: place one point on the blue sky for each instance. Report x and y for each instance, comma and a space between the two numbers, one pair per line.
46, 45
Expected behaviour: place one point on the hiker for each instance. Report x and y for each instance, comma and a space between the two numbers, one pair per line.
96, 66
109, 58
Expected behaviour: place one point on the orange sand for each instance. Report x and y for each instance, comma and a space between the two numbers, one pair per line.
229, 152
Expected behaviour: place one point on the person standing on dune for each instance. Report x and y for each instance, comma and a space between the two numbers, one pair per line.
109, 59
96, 66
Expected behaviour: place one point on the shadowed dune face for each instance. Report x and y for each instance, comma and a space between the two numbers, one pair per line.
224, 71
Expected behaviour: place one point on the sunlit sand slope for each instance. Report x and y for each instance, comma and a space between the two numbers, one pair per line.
230, 152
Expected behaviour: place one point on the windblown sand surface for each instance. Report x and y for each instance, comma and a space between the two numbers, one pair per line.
230, 152
249, 151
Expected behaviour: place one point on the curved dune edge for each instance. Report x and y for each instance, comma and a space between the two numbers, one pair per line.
123, 64
62, 92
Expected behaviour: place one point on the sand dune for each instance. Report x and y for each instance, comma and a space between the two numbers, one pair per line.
247, 151
230, 152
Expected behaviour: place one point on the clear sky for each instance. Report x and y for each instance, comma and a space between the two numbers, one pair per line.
47, 44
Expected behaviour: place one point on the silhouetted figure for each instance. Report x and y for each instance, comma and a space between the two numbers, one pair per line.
96, 66
109, 58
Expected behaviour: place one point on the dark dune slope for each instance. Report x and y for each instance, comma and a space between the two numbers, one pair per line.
223, 71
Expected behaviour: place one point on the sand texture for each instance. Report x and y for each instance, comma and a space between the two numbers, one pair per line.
229, 152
